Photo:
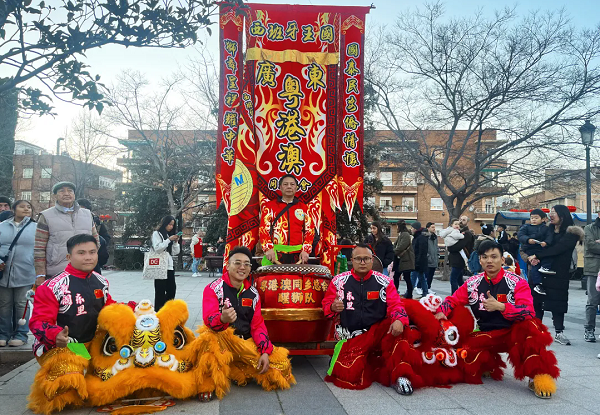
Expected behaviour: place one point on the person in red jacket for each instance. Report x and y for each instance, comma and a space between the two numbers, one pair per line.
285, 221
233, 320
196, 247
65, 311
371, 323
503, 307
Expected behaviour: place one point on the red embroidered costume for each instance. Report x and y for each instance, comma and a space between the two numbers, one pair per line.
514, 331
234, 349
294, 227
371, 305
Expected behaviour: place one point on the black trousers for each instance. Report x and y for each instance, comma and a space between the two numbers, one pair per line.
405, 277
164, 290
558, 319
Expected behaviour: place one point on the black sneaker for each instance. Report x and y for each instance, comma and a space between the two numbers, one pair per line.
589, 336
539, 289
403, 386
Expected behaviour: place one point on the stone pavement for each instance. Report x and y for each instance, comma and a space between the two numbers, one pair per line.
578, 385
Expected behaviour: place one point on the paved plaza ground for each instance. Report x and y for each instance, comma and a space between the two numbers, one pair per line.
578, 385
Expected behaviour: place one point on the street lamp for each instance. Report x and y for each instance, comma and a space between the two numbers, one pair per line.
587, 138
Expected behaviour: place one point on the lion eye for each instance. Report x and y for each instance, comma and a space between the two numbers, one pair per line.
179, 338
109, 345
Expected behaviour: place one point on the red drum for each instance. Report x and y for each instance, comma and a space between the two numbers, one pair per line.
291, 296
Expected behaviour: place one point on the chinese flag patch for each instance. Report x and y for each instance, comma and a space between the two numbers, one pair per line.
98, 293
502, 298
246, 302
372, 295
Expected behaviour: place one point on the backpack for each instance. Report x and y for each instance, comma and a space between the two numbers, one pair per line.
473, 263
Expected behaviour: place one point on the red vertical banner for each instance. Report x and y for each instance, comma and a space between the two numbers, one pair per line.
231, 27
351, 128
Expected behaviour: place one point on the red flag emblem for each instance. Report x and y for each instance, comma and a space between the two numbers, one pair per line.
502, 298
246, 302
98, 293
372, 295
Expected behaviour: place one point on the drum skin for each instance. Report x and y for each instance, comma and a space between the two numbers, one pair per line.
291, 297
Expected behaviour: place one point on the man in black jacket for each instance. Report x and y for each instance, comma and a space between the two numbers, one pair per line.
455, 259
421, 247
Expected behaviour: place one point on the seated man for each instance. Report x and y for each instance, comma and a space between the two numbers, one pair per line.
371, 320
285, 221
503, 307
65, 310
234, 337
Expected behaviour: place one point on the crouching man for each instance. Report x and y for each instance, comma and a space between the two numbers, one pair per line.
234, 343
371, 323
502, 304
65, 310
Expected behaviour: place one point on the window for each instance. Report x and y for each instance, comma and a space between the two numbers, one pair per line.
408, 204
202, 199
28, 172
385, 203
46, 172
44, 196
596, 206
437, 203
489, 206
25, 195
386, 178
409, 178
106, 182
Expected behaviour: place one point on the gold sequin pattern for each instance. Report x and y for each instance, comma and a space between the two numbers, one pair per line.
103, 374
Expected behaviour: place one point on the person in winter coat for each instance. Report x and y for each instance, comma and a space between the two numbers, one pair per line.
502, 238
487, 234
18, 273
513, 245
165, 239
404, 262
421, 248
564, 240
196, 247
382, 246
457, 263
103, 235
591, 268
535, 237
433, 253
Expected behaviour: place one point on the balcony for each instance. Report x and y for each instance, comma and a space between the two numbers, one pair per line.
398, 212
130, 161
485, 215
399, 188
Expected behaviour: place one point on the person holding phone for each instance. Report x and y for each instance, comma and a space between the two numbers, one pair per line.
165, 239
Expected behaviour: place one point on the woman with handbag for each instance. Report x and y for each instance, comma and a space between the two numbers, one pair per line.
17, 236
164, 242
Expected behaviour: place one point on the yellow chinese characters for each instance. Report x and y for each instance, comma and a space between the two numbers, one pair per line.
353, 49
228, 155
291, 30
266, 74
304, 184
308, 33
315, 76
327, 34
290, 158
230, 46
350, 140
231, 64
257, 29
229, 136
230, 98
232, 83
275, 32
350, 159
291, 92
351, 69
351, 104
230, 119
352, 85
289, 126
350, 122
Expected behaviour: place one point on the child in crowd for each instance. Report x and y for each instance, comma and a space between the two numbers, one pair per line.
509, 263
452, 235
534, 237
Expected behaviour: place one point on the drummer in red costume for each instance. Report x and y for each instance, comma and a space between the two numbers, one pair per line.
502, 304
285, 221
371, 323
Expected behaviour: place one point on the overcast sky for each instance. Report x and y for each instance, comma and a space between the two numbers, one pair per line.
157, 63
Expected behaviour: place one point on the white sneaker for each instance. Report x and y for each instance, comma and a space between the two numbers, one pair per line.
419, 291
431, 292
2, 343
15, 342
195, 275
547, 271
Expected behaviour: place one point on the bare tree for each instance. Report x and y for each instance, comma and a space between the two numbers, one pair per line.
506, 92
87, 144
175, 162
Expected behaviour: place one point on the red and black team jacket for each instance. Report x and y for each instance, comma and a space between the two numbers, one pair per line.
72, 298
506, 287
246, 302
294, 227
366, 301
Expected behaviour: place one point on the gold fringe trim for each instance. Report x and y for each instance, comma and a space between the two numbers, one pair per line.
292, 55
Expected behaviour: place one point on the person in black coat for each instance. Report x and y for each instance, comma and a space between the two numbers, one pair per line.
502, 238
456, 260
381, 245
421, 247
565, 238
